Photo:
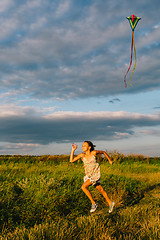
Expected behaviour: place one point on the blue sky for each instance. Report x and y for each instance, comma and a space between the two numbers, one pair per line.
62, 67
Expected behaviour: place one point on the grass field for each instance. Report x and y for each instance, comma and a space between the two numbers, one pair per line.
41, 198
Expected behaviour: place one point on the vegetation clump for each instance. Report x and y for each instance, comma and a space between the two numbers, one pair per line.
41, 198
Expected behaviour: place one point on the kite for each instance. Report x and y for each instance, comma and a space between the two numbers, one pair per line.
133, 20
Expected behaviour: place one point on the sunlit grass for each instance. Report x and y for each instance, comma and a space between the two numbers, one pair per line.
41, 198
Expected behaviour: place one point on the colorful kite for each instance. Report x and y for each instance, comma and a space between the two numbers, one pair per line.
133, 20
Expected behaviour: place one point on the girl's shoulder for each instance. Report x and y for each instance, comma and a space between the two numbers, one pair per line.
81, 155
98, 152
94, 152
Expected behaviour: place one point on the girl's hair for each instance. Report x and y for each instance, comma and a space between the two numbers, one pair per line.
91, 145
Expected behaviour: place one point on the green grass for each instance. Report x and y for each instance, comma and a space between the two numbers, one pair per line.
41, 198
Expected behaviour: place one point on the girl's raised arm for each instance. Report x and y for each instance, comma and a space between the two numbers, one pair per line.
72, 159
105, 154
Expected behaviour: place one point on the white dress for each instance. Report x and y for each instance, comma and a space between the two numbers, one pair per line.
92, 169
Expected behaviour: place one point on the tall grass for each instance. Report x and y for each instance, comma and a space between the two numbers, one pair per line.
41, 198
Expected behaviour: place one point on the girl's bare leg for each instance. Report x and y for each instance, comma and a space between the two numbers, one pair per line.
86, 191
101, 190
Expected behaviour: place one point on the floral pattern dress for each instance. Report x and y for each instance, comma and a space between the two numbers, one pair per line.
92, 169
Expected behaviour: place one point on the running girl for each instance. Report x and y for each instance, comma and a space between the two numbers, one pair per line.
92, 171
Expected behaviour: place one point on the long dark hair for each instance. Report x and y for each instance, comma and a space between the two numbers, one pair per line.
91, 145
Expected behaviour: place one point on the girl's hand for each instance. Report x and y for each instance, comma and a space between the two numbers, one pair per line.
74, 147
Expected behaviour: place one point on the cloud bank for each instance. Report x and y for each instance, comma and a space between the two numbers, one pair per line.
68, 50
65, 51
32, 127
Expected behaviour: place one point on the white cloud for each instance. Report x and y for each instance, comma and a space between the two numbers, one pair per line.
22, 146
34, 3
26, 128
12, 110
62, 8
152, 37
150, 132
18, 148
7, 27
85, 54
119, 135
67, 126
38, 24
120, 115
5, 4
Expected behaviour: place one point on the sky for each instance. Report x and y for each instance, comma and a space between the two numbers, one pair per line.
62, 67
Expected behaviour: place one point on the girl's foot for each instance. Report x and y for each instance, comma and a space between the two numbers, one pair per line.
94, 207
111, 207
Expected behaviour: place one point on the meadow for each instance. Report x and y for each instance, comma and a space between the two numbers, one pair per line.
41, 198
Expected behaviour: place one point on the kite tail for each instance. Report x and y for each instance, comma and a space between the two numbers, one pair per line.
135, 60
131, 59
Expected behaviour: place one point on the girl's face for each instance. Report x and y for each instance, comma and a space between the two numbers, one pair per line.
85, 147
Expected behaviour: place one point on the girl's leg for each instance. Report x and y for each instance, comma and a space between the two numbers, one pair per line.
101, 190
86, 191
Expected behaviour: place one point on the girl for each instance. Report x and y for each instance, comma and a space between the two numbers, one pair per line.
92, 171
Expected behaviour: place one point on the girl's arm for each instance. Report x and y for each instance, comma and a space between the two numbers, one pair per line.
72, 159
105, 154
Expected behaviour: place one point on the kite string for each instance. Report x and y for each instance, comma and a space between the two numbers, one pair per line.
131, 59
135, 59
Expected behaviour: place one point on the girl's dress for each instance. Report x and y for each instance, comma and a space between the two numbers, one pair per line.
92, 170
